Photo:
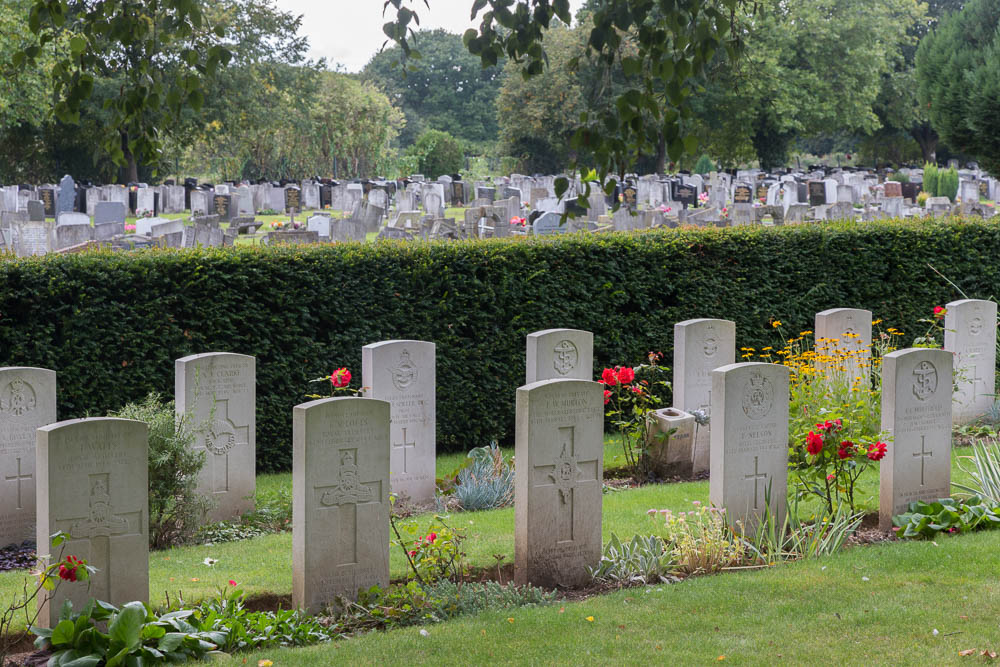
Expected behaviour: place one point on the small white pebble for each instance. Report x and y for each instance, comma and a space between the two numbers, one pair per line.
864, 578
424, 633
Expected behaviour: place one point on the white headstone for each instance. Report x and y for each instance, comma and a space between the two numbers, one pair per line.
845, 333
93, 484
700, 346
216, 391
554, 354
340, 506
27, 402
916, 415
557, 492
749, 441
402, 372
970, 332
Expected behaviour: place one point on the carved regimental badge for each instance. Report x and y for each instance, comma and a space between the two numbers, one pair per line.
404, 374
758, 396
565, 357
976, 324
348, 489
925, 380
711, 342
17, 398
565, 475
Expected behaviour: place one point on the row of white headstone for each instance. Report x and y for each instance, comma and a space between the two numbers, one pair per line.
344, 449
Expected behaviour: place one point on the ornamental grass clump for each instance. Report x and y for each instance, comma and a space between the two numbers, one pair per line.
699, 541
488, 483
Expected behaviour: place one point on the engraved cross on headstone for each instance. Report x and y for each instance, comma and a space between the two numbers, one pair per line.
923, 455
405, 446
345, 495
19, 477
565, 475
756, 476
222, 436
98, 527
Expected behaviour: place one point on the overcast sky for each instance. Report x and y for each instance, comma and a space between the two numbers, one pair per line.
349, 32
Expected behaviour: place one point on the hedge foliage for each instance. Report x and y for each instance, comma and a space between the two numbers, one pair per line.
112, 324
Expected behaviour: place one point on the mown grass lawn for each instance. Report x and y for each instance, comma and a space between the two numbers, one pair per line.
263, 565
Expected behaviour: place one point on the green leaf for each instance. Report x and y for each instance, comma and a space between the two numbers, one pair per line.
127, 625
77, 44
63, 633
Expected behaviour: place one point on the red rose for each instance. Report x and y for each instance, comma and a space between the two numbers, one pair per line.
609, 377
877, 451
607, 396
846, 449
432, 537
938, 311
626, 375
340, 378
814, 443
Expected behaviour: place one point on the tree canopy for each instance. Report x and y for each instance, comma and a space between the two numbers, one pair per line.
958, 69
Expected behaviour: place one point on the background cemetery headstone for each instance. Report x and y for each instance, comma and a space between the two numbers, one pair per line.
340, 506
402, 372
93, 484
700, 346
916, 416
557, 491
559, 354
27, 402
749, 460
216, 393
970, 332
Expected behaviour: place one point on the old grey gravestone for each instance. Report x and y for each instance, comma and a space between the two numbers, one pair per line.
970, 332
340, 499
402, 372
846, 335
916, 414
93, 484
27, 402
557, 491
749, 442
700, 346
559, 354
216, 392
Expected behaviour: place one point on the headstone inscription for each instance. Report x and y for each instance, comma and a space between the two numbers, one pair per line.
557, 497
402, 372
970, 333
216, 393
817, 193
340, 499
742, 194
222, 206
93, 484
27, 402
293, 199
749, 460
700, 346
916, 415
559, 354
48, 198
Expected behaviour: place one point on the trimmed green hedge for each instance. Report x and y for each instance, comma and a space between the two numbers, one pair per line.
112, 324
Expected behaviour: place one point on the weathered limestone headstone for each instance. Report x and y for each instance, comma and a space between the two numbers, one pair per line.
93, 484
27, 402
554, 354
845, 332
671, 442
402, 372
916, 414
557, 491
700, 346
340, 499
749, 441
970, 332
216, 391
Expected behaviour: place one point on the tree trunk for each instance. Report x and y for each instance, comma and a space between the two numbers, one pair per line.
661, 156
130, 171
927, 138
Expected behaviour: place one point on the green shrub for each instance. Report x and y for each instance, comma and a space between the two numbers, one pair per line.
704, 165
901, 178
112, 324
930, 179
948, 184
175, 510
